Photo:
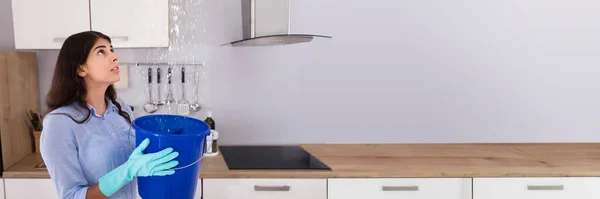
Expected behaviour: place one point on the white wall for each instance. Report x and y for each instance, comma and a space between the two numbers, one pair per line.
421, 71
395, 71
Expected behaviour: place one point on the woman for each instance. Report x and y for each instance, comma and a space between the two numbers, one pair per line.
86, 143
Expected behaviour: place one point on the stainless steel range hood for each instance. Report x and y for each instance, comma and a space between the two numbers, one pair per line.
267, 23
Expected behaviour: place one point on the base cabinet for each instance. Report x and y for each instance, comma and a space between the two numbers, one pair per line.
541, 187
198, 194
357, 188
2, 188
21, 188
198, 190
405, 188
18, 188
264, 188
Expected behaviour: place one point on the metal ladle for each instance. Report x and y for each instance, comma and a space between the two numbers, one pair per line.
150, 106
195, 107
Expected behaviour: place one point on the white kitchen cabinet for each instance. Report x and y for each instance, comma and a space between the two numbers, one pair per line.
132, 23
264, 188
1, 188
198, 194
406, 188
43, 24
17, 188
536, 187
198, 190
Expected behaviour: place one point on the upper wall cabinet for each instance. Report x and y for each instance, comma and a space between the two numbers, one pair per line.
132, 23
43, 24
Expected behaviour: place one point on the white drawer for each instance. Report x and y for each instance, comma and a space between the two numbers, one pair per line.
528, 188
405, 188
264, 188
198, 190
18, 188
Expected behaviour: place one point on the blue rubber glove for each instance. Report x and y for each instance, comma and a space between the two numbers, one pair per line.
139, 164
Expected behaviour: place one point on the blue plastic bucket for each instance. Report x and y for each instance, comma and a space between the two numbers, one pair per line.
185, 135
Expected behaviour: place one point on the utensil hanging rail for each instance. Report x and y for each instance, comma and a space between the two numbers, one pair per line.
164, 64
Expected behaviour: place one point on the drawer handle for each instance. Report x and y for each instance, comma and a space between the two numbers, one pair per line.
271, 188
124, 38
59, 39
545, 187
400, 188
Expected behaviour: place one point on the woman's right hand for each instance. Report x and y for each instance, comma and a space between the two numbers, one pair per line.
151, 164
139, 164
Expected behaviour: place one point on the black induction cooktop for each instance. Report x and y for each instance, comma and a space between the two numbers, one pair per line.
270, 157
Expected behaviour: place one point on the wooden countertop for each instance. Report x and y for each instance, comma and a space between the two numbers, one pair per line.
410, 160
25, 168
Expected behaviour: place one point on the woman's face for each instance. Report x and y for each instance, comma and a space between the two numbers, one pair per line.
101, 66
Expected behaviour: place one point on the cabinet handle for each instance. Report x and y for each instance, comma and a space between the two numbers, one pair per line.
124, 38
62, 39
400, 188
271, 188
545, 187
59, 39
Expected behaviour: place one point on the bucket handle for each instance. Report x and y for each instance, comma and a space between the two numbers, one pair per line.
189, 165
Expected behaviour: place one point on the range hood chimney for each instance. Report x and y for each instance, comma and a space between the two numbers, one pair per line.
267, 23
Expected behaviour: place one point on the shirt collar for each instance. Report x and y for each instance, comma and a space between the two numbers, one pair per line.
110, 107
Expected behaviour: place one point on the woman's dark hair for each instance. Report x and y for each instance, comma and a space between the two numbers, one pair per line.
67, 86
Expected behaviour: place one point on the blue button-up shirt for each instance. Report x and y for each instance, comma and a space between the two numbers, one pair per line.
77, 155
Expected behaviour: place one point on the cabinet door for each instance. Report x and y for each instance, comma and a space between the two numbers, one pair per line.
132, 23
528, 188
1, 188
198, 190
406, 188
44, 24
22, 188
264, 188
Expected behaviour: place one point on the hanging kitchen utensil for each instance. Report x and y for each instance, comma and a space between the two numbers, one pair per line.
160, 101
170, 99
150, 106
195, 107
184, 106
